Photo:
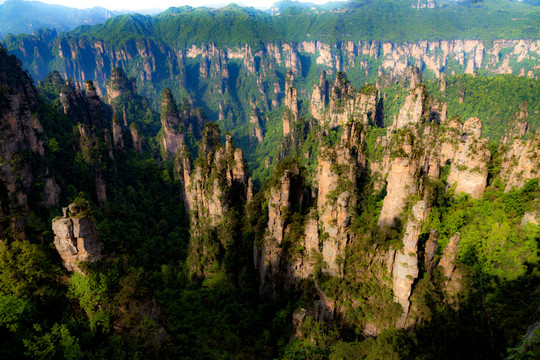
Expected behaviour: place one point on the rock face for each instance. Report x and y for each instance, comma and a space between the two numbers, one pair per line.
345, 103
173, 128
319, 97
255, 121
89, 145
337, 174
412, 152
292, 249
520, 159
411, 112
273, 267
118, 86
448, 265
216, 190
21, 144
263, 68
467, 55
405, 270
76, 237
469, 169
402, 182
290, 115
220, 179
118, 139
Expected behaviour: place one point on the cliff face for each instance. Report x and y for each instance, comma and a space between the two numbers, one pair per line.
405, 270
521, 163
222, 74
76, 237
173, 128
520, 159
290, 116
343, 103
88, 110
21, 147
413, 148
304, 235
454, 56
272, 256
338, 173
469, 169
216, 192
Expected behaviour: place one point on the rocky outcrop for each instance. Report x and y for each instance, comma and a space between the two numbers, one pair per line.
521, 162
409, 153
271, 254
401, 182
216, 190
448, 266
297, 239
405, 270
119, 86
21, 147
118, 139
290, 114
319, 97
76, 237
429, 251
263, 68
88, 143
345, 103
338, 172
173, 128
520, 158
137, 138
207, 187
469, 169
255, 121
277, 264
421, 141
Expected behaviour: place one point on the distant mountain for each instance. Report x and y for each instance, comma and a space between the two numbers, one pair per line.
17, 16
280, 6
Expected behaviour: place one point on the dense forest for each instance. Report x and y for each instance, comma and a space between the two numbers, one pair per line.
244, 208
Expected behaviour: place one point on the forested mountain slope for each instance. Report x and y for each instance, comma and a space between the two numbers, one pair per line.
169, 251
272, 199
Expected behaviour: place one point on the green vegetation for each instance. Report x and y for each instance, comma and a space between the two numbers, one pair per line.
381, 20
495, 100
178, 285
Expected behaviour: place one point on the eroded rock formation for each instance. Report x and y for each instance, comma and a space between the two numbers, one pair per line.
469, 169
405, 270
76, 237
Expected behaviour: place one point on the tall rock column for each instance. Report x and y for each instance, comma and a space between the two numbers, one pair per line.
337, 175
290, 115
520, 159
405, 270
469, 169
413, 151
319, 97
173, 129
448, 265
401, 181
216, 193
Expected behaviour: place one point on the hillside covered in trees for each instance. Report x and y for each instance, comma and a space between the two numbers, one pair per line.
167, 191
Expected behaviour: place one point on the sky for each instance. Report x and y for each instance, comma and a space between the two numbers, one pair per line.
161, 4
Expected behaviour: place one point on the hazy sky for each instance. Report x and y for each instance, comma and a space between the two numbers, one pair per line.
163, 4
